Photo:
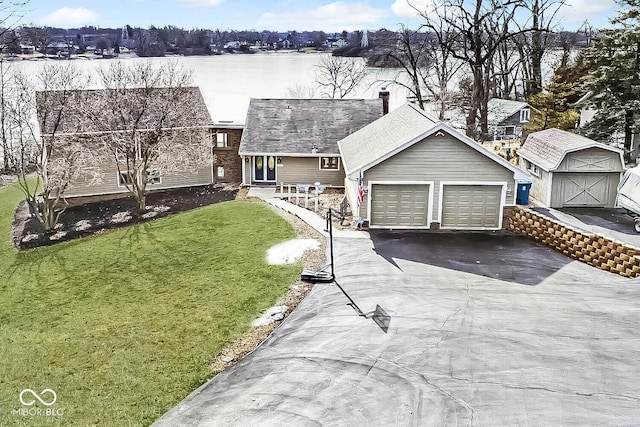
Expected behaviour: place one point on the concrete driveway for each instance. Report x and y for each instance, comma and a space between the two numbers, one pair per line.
485, 330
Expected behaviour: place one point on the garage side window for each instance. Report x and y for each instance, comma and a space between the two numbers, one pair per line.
330, 163
534, 169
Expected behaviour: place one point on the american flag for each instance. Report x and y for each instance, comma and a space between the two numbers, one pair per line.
360, 191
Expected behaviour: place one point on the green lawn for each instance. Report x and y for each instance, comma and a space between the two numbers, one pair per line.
123, 325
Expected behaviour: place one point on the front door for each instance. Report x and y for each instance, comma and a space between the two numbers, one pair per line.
264, 169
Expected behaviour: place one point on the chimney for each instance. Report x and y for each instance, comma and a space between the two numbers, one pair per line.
384, 95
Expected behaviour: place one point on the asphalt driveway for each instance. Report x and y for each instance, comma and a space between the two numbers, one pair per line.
468, 343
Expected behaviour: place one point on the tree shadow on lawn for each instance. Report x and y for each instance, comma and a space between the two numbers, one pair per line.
92, 218
502, 255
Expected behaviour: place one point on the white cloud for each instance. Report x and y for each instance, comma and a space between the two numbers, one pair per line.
335, 16
576, 11
203, 3
404, 8
68, 17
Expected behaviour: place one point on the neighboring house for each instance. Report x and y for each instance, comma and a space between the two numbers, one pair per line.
506, 118
81, 123
295, 141
418, 173
588, 112
571, 170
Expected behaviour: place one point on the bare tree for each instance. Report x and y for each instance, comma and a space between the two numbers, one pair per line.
300, 91
147, 125
339, 76
478, 29
39, 146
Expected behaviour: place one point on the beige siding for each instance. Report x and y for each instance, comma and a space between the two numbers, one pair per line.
540, 186
108, 182
584, 189
591, 160
441, 158
306, 170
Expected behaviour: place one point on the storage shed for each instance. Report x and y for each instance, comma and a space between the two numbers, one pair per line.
418, 173
569, 170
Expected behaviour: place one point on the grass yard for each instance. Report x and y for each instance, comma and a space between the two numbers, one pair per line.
123, 325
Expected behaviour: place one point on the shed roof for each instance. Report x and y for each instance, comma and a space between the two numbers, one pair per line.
547, 148
397, 131
295, 126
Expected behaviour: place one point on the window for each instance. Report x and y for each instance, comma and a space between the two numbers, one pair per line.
220, 171
124, 179
222, 140
121, 156
525, 115
154, 177
534, 169
329, 163
510, 130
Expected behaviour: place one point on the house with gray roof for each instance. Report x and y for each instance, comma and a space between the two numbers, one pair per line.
506, 118
569, 170
295, 141
84, 114
418, 173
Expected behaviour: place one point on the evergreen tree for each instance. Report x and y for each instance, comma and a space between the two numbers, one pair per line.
613, 76
552, 105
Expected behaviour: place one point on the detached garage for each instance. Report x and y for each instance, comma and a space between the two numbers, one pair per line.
417, 173
569, 170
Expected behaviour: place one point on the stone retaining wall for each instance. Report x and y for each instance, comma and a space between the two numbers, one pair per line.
593, 249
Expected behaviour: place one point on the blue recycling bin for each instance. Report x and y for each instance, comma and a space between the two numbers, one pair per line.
522, 196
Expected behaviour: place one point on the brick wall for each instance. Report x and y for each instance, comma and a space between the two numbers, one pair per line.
593, 249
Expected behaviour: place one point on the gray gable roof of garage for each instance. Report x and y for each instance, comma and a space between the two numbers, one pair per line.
397, 131
295, 126
548, 148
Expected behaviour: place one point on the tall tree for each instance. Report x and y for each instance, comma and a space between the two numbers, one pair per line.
478, 29
551, 103
339, 76
146, 126
613, 65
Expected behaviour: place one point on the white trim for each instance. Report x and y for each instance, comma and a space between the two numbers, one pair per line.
431, 185
149, 176
503, 196
329, 157
244, 169
119, 173
555, 166
280, 154
518, 174
549, 189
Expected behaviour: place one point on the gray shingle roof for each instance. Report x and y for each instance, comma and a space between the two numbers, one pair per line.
499, 110
294, 126
548, 147
398, 130
86, 110
383, 136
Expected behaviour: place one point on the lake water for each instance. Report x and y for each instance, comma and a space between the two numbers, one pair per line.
228, 82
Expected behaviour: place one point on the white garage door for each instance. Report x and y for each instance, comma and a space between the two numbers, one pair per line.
471, 207
399, 205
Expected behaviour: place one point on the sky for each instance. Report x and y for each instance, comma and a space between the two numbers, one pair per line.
276, 15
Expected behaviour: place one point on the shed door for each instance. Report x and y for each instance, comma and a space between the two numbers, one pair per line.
585, 189
399, 205
475, 207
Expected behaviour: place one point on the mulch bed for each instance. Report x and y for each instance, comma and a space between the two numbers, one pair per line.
90, 218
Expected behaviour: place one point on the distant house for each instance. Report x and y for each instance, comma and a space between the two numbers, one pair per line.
418, 173
82, 124
295, 141
506, 118
569, 170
